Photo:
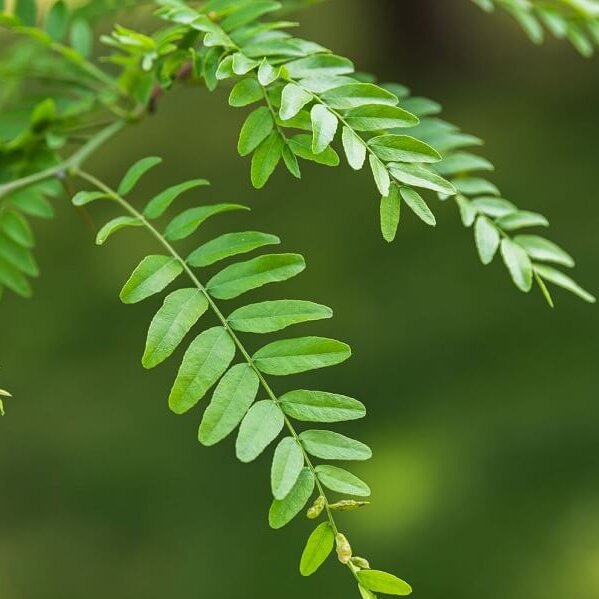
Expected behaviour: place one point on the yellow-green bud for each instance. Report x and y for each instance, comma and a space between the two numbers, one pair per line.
360, 562
343, 548
347, 505
316, 508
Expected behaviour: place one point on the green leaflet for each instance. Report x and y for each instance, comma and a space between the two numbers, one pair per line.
159, 204
228, 245
205, 361
419, 176
542, 249
291, 162
377, 117
57, 21
418, 206
265, 159
322, 65
403, 148
292, 356
242, 65
324, 125
239, 278
16, 227
390, 213
475, 186
13, 279
365, 593
564, 281
180, 311
321, 406
518, 263
246, 92
421, 107
318, 84
247, 13
18, 257
381, 582
81, 37
493, 207
187, 223
354, 95
153, 274
522, 219
319, 546
116, 224
26, 11
135, 173
342, 481
380, 174
487, 239
83, 198
268, 317
287, 465
283, 511
293, 99
354, 147
255, 130
30, 202
301, 145
267, 74
467, 210
260, 427
232, 398
462, 162
328, 445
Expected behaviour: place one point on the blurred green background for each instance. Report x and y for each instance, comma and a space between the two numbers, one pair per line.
483, 403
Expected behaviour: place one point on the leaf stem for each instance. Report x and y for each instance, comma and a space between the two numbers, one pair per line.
111, 193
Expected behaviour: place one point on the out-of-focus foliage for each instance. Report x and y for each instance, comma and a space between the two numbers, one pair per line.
312, 103
574, 20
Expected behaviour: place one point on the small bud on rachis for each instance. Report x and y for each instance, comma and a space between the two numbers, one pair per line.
348, 505
343, 548
360, 562
316, 508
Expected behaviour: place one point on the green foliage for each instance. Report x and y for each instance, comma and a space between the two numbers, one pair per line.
305, 105
217, 358
319, 546
311, 97
574, 20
